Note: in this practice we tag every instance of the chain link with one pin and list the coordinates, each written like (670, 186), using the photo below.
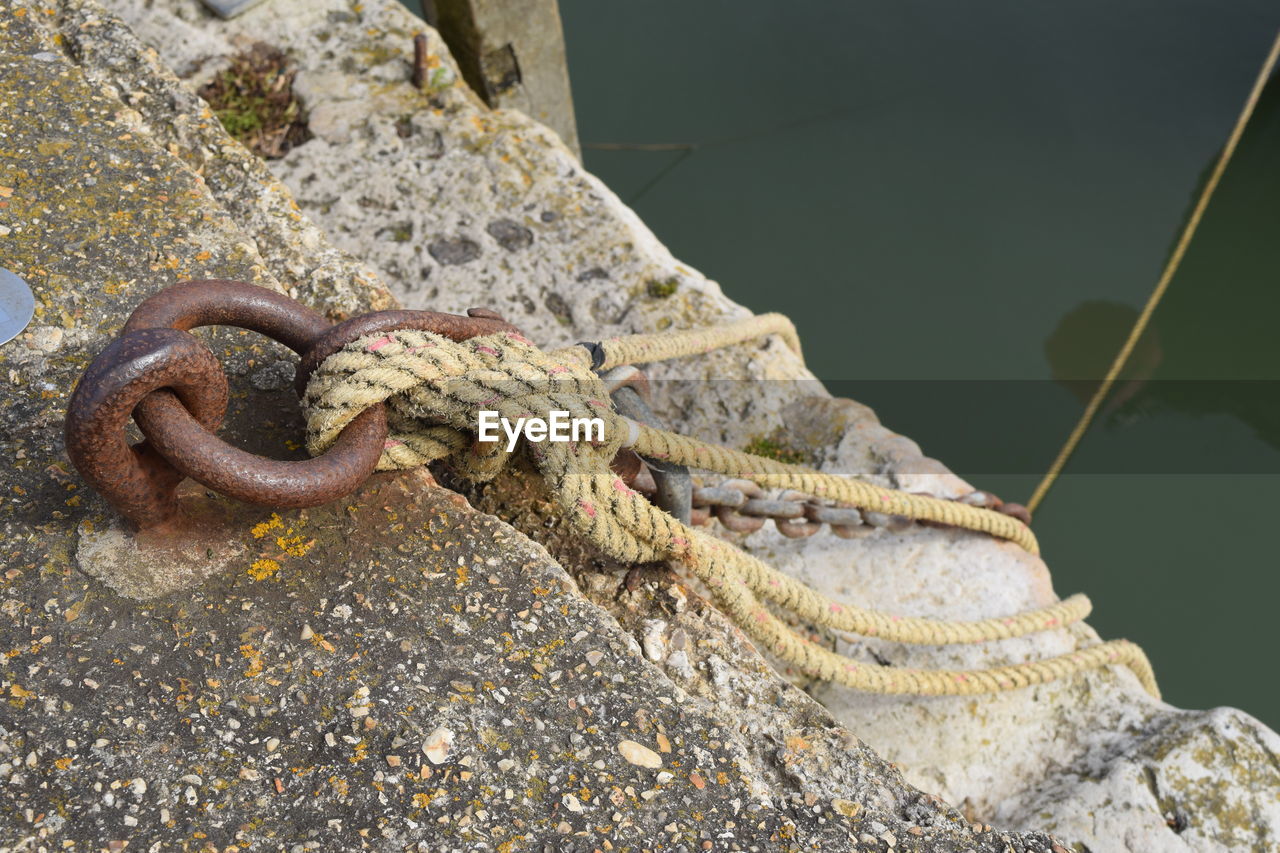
(744, 507)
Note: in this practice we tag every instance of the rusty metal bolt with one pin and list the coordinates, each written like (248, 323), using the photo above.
(419, 74)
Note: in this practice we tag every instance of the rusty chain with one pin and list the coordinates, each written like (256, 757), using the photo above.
(741, 505)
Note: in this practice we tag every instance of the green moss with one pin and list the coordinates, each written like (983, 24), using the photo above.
(663, 289)
(441, 77)
(771, 449)
(254, 101)
(243, 114)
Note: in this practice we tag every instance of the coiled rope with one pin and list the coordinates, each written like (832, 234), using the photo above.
(435, 388)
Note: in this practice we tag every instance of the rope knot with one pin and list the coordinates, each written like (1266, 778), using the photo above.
(436, 388)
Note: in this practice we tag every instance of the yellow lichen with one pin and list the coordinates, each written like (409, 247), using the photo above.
(254, 657)
(294, 546)
(262, 569)
(263, 528)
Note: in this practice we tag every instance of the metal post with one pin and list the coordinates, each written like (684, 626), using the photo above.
(512, 54)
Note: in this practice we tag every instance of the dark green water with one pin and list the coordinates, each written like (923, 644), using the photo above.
(964, 205)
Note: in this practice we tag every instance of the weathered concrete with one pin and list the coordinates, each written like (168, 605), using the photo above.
(512, 53)
(455, 205)
(392, 671)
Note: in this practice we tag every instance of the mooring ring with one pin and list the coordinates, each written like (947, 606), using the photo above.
(137, 480)
(155, 358)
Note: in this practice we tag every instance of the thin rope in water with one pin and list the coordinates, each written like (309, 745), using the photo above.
(1170, 269)
(434, 389)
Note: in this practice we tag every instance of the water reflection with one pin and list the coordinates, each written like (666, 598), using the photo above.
(1212, 347)
(1085, 342)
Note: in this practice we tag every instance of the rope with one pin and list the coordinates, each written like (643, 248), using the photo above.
(434, 389)
(1170, 269)
(637, 349)
(770, 473)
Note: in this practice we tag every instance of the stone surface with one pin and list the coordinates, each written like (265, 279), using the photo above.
(391, 671)
(512, 53)
(1081, 756)
(433, 211)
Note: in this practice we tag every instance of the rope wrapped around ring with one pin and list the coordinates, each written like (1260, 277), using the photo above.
(434, 389)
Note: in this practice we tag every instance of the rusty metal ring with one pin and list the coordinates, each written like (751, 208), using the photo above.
(452, 326)
(155, 352)
(836, 516)
(627, 464)
(137, 480)
(201, 455)
(216, 302)
(198, 453)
